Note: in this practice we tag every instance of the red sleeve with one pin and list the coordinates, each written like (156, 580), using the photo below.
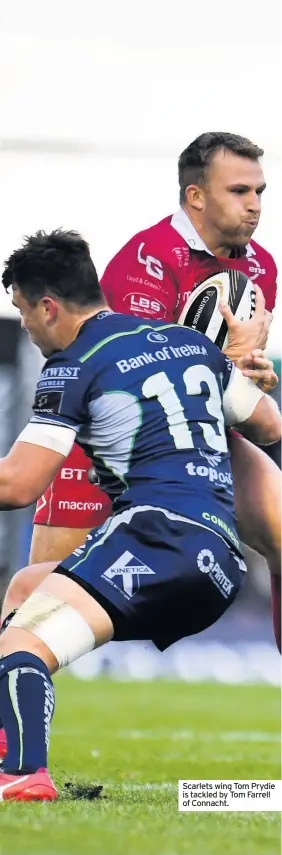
(267, 275)
(271, 291)
(139, 281)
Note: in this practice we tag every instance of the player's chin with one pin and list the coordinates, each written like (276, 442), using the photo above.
(45, 350)
(245, 234)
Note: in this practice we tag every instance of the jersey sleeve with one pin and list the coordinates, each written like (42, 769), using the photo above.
(62, 393)
(140, 281)
(271, 293)
(269, 283)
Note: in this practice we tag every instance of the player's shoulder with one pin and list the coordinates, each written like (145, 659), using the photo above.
(157, 239)
(259, 252)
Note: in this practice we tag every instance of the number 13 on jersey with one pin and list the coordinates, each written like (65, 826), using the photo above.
(159, 386)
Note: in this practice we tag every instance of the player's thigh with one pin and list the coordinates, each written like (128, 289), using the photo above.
(257, 482)
(50, 543)
(147, 570)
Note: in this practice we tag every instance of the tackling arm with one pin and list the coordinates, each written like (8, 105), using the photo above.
(32, 463)
(254, 413)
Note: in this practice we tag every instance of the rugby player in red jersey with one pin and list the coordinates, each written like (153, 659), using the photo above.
(221, 183)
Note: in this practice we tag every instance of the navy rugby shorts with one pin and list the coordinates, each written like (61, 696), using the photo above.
(159, 576)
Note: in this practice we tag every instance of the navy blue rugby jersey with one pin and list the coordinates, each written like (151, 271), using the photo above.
(145, 400)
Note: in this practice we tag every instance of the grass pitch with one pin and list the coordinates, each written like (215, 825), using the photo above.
(136, 740)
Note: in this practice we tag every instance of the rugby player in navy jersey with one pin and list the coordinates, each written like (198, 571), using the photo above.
(149, 401)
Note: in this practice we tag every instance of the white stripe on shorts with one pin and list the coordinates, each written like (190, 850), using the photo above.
(126, 517)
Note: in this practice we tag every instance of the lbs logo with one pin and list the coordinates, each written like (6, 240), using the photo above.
(141, 304)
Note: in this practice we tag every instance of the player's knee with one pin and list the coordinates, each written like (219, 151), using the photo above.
(18, 590)
(23, 583)
(62, 629)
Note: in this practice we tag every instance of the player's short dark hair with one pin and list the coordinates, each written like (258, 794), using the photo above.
(194, 160)
(56, 265)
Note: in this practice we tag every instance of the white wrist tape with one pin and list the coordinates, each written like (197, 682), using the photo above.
(61, 627)
(240, 398)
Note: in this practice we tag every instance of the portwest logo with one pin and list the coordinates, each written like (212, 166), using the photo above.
(62, 372)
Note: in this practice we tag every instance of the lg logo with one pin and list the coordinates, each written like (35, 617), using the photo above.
(153, 265)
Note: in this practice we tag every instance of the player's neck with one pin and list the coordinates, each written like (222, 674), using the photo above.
(210, 236)
(73, 323)
(80, 319)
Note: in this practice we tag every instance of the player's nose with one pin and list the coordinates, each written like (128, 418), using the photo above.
(254, 203)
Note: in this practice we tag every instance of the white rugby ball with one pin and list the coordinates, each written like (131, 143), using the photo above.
(201, 310)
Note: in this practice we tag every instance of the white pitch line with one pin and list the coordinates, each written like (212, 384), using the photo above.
(204, 736)
(144, 787)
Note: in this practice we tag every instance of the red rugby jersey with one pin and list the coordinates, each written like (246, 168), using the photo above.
(154, 273)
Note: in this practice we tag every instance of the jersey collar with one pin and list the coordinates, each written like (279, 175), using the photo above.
(183, 225)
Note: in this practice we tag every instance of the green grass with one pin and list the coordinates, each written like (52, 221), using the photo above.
(151, 733)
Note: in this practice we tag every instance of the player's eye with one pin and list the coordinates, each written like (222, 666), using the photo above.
(239, 190)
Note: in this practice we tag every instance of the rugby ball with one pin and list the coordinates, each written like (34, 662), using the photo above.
(201, 310)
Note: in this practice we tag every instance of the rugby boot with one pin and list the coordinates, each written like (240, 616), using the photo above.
(33, 787)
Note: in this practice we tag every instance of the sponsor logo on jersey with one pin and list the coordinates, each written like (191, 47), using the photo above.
(139, 280)
(209, 472)
(153, 265)
(54, 378)
(142, 304)
(102, 315)
(124, 574)
(207, 564)
(183, 297)
(160, 356)
(182, 254)
(66, 473)
(213, 459)
(48, 402)
(222, 525)
(255, 269)
(64, 372)
(80, 506)
(157, 337)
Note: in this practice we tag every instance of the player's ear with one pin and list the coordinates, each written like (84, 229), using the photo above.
(195, 196)
(50, 309)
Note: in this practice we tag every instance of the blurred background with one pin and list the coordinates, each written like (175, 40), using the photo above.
(97, 102)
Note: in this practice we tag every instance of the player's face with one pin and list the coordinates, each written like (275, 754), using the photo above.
(232, 197)
(36, 320)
